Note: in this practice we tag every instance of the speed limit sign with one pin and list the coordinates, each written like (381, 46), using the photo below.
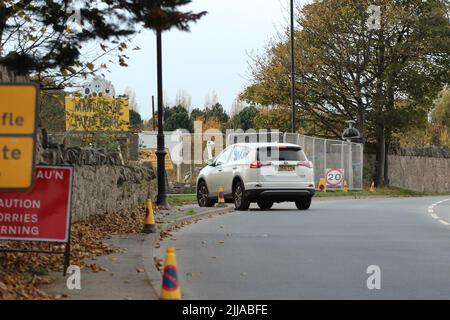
(334, 177)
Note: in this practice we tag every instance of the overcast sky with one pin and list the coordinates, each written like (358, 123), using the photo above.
(213, 56)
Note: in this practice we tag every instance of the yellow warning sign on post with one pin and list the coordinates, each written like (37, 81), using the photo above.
(18, 106)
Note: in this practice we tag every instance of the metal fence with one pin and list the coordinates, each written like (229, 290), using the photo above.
(188, 158)
(328, 153)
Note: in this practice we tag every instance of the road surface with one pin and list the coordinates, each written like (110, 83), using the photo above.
(322, 253)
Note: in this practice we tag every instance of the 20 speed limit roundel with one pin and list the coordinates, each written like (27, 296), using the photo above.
(334, 177)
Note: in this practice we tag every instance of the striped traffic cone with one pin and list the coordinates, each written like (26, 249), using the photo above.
(149, 218)
(220, 197)
(170, 289)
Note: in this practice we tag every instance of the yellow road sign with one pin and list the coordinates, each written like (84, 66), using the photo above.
(16, 165)
(18, 109)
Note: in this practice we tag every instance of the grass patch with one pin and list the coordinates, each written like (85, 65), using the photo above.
(38, 271)
(191, 212)
(181, 200)
(389, 192)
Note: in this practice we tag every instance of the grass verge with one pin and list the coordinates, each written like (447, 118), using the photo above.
(387, 192)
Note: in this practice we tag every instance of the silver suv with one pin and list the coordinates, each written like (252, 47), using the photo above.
(258, 172)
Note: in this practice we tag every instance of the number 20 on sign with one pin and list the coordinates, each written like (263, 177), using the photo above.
(18, 106)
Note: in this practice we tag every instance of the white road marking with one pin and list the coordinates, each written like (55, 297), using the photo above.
(434, 215)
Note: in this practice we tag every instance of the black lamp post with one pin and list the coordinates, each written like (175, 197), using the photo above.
(161, 199)
(292, 69)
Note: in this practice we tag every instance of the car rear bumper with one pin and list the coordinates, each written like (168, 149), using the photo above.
(278, 195)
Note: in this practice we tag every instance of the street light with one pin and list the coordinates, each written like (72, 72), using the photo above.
(351, 134)
(161, 199)
(292, 69)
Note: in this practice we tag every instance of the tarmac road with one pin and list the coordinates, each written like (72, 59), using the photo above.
(322, 253)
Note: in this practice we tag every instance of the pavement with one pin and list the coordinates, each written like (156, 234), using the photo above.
(322, 253)
(131, 273)
(123, 277)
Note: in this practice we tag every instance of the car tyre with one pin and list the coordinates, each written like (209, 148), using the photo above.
(303, 203)
(203, 195)
(240, 201)
(265, 204)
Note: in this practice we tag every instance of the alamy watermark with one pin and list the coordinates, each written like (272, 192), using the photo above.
(374, 280)
(73, 282)
(374, 20)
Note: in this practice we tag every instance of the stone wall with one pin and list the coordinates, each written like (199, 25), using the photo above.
(107, 189)
(419, 173)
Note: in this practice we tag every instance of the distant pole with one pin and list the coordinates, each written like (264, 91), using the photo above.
(153, 113)
(161, 199)
(292, 69)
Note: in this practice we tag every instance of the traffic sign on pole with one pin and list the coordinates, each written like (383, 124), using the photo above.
(18, 123)
(334, 177)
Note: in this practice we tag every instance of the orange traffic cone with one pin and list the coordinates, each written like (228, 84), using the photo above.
(322, 185)
(220, 197)
(149, 218)
(170, 289)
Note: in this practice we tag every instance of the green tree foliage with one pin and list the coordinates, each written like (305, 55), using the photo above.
(52, 114)
(44, 38)
(384, 79)
(40, 36)
(245, 119)
(177, 118)
(440, 120)
(135, 120)
(216, 111)
(433, 131)
(196, 113)
(441, 113)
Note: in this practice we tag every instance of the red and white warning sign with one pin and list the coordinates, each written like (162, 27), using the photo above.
(334, 177)
(41, 213)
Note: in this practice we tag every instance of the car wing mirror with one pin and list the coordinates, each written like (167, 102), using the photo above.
(210, 162)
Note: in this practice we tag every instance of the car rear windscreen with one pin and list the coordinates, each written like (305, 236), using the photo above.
(281, 154)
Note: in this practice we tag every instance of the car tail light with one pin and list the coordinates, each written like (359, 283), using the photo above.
(259, 164)
(307, 164)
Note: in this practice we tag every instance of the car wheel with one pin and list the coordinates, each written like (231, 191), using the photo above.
(303, 203)
(265, 204)
(203, 195)
(240, 201)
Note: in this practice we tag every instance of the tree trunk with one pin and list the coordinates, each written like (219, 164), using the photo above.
(360, 123)
(381, 159)
(386, 167)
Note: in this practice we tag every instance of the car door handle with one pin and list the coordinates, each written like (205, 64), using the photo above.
(220, 169)
(234, 168)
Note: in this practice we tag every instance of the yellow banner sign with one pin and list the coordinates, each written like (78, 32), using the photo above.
(18, 105)
(97, 114)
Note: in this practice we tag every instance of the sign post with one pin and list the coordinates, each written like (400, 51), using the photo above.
(18, 122)
(41, 213)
